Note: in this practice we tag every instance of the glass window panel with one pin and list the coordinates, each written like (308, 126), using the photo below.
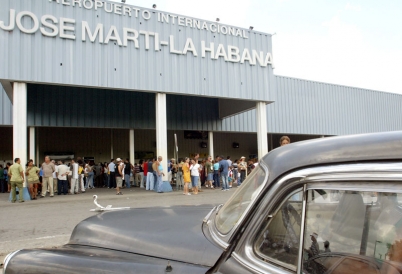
(352, 232)
(241, 200)
(279, 241)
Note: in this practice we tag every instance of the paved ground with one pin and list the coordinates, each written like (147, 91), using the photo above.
(48, 222)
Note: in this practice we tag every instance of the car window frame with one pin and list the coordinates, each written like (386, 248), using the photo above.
(310, 178)
(223, 240)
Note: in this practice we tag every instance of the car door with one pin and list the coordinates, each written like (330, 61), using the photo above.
(353, 212)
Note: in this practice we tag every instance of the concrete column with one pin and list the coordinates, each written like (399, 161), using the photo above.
(161, 131)
(131, 138)
(20, 131)
(111, 144)
(211, 144)
(32, 147)
(262, 137)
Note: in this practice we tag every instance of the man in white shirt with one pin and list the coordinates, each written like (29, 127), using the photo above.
(112, 176)
(62, 172)
(74, 178)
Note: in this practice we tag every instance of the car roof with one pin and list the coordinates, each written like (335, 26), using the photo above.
(341, 149)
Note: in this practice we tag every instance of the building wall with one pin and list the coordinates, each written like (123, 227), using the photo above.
(36, 58)
(6, 109)
(308, 107)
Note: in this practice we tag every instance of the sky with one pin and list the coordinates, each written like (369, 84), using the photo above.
(352, 43)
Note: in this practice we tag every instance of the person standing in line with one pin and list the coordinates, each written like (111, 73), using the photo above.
(112, 175)
(33, 179)
(216, 172)
(141, 174)
(195, 176)
(2, 180)
(81, 176)
(105, 175)
(74, 187)
(209, 171)
(242, 167)
(150, 175)
(127, 172)
(6, 177)
(224, 171)
(138, 174)
(285, 140)
(158, 174)
(155, 166)
(186, 175)
(16, 174)
(55, 181)
(235, 171)
(229, 161)
(179, 175)
(48, 168)
(145, 171)
(90, 176)
(62, 172)
(173, 171)
(119, 175)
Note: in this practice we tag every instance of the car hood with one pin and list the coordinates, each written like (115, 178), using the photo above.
(172, 233)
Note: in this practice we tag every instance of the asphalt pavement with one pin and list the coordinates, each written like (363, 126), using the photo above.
(49, 222)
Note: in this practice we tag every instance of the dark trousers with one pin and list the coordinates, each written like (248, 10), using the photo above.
(242, 176)
(62, 187)
(3, 186)
(216, 178)
(112, 180)
(105, 180)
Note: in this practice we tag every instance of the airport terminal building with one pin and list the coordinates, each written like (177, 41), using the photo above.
(103, 79)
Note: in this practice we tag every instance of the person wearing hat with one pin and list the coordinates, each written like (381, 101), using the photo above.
(242, 168)
(119, 175)
(314, 248)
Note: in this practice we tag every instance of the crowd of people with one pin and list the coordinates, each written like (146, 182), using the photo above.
(59, 178)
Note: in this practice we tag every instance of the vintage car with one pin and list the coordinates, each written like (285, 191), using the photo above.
(330, 205)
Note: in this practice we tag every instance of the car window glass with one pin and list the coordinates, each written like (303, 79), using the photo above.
(280, 237)
(352, 231)
(235, 207)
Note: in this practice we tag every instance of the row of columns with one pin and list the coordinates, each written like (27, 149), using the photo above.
(20, 129)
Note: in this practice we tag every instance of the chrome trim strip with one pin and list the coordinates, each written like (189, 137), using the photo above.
(206, 218)
(8, 258)
(218, 240)
(302, 227)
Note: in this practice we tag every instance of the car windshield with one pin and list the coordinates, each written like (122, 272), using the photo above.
(242, 199)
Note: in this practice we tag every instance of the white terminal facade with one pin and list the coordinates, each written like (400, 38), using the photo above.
(106, 80)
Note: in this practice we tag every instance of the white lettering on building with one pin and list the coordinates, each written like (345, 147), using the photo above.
(66, 28)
